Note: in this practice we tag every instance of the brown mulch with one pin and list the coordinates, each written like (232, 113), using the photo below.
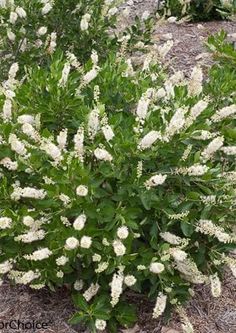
(208, 315)
(42, 306)
(189, 41)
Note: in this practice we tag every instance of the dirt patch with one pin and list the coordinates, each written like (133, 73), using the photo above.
(189, 41)
(207, 314)
(42, 306)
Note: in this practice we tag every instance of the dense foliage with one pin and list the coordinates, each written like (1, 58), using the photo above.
(30, 31)
(116, 176)
(199, 10)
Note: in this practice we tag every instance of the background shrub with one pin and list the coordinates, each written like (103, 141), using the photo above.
(200, 10)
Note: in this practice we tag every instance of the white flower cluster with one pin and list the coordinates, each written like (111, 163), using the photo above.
(91, 291)
(207, 227)
(178, 254)
(203, 135)
(149, 139)
(5, 222)
(157, 267)
(71, 243)
(164, 49)
(102, 266)
(65, 199)
(30, 236)
(116, 287)
(197, 170)
(195, 83)
(215, 285)
(78, 285)
(155, 181)
(195, 112)
(79, 143)
(176, 124)
(208, 199)
(100, 324)
(79, 222)
(24, 277)
(212, 148)
(93, 123)
(27, 192)
(73, 61)
(30, 131)
(189, 270)
(52, 43)
(102, 155)
(171, 238)
(48, 5)
(39, 255)
(91, 75)
(130, 280)
(231, 263)
(86, 242)
(84, 24)
(226, 112)
(143, 105)
(5, 266)
(107, 130)
(139, 169)
(82, 190)
(52, 150)
(159, 306)
(61, 261)
(17, 145)
(123, 232)
(187, 327)
(179, 216)
(64, 76)
(119, 248)
(229, 150)
(186, 153)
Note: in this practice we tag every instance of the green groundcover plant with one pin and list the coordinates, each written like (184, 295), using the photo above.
(199, 9)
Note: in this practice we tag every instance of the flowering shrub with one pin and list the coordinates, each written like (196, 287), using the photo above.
(30, 31)
(115, 178)
(199, 9)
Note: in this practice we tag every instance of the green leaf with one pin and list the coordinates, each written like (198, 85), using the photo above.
(77, 318)
(186, 228)
(126, 314)
(145, 199)
(80, 302)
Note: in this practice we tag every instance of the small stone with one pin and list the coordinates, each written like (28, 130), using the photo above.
(200, 27)
(202, 56)
(134, 329)
(166, 37)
